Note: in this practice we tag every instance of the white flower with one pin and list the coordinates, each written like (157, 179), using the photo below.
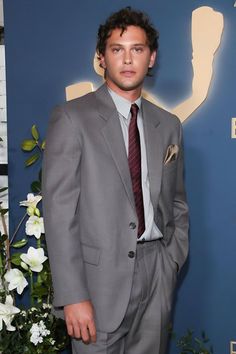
(43, 329)
(35, 334)
(38, 331)
(16, 280)
(34, 226)
(34, 258)
(7, 312)
(46, 306)
(31, 203)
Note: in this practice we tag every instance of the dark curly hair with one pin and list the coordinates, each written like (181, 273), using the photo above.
(122, 19)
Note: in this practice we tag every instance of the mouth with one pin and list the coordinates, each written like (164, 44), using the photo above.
(127, 73)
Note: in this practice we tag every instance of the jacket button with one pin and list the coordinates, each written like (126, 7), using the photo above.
(131, 254)
(132, 225)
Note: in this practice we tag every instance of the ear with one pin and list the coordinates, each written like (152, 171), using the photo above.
(102, 62)
(97, 65)
(152, 59)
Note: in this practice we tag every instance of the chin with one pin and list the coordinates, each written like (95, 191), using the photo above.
(130, 87)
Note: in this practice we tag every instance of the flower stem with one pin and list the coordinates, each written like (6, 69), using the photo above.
(17, 229)
(31, 288)
(38, 243)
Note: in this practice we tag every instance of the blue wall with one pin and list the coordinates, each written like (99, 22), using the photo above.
(50, 44)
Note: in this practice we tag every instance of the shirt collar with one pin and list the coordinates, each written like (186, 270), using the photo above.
(123, 105)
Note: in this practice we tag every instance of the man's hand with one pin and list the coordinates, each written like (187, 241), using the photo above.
(80, 321)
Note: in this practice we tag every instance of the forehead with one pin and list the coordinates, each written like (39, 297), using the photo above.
(132, 34)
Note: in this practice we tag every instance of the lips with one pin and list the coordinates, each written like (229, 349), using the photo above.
(127, 73)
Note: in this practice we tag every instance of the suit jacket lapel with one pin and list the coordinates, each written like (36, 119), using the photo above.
(154, 148)
(113, 136)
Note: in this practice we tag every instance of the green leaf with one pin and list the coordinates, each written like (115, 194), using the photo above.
(3, 189)
(34, 132)
(45, 277)
(20, 243)
(198, 341)
(43, 145)
(28, 145)
(3, 211)
(36, 187)
(39, 291)
(31, 160)
(15, 258)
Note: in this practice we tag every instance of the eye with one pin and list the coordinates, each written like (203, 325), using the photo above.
(138, 49)
(116, 50)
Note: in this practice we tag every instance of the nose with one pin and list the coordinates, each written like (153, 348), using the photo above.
(127, 57)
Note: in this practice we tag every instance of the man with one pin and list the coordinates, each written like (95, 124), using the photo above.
(114, 203)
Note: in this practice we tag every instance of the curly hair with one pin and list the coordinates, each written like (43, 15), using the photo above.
(122, 19)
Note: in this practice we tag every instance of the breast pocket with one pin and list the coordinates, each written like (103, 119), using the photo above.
(170, 167)
(168, 186)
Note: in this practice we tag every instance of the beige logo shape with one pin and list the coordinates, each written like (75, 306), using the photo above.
(206, 34)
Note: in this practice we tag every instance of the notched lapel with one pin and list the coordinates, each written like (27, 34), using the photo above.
(113, 136)
(154, 148)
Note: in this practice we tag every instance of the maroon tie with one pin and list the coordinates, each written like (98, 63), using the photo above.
(134, 159)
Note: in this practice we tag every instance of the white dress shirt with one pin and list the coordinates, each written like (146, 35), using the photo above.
(123, 107)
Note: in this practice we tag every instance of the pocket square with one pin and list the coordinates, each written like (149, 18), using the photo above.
(171, 153)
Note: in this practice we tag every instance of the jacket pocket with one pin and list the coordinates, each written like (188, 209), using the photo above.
(170, 166)
(91, 254)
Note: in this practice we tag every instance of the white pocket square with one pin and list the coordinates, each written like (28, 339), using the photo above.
(171, 153)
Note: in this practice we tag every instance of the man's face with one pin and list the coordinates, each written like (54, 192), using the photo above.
(127, 59)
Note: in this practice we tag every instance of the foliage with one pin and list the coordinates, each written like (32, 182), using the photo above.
(191, 344)
(35, 144)
(25, 271)
(20, 341)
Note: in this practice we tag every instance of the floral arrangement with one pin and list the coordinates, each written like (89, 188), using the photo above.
(25, 277)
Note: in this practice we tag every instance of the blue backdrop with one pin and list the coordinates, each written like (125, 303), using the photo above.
(50, 45)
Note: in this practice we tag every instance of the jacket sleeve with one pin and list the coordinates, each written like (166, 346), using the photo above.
(61, 192)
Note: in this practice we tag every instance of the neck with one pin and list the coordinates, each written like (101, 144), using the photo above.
(131, 95)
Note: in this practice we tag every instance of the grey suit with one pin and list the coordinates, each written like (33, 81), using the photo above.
(89, 209)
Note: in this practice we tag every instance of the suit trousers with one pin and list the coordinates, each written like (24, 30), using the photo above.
(144, 329)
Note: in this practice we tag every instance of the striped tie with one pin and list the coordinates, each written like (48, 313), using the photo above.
(134, 159)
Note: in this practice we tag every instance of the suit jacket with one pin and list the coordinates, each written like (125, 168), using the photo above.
(89, 209)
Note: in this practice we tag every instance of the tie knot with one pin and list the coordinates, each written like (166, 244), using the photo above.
(134, 109)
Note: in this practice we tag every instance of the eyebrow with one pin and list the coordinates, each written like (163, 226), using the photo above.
(121, 45)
